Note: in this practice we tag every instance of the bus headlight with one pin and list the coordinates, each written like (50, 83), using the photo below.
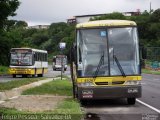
(29, 71)
(12, 69)
(133, 82)
(86, 84)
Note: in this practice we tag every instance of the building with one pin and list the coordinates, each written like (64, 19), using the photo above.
(86, 18)
(82, 18)
(38, 27)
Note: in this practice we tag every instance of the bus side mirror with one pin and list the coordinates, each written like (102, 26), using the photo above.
(144, 53)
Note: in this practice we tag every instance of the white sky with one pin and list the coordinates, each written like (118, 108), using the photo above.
(36, 12)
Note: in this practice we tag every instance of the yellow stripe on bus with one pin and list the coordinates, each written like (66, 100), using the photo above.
(109, 79)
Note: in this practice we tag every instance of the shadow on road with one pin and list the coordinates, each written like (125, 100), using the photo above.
(104, 103)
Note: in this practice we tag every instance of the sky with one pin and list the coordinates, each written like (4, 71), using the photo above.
(45, 12)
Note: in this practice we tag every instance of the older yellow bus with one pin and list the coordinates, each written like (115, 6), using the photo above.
(28, 61)
(105, 61)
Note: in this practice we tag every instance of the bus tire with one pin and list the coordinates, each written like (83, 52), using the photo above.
(24, 76)
(40, 75)
(14, 75)
(83, 102)
(131, 101)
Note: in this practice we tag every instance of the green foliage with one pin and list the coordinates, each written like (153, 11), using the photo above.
(3, 70)
(150, 72)
(8, 8)
(17, 83)
(114, 15)
(155, 17)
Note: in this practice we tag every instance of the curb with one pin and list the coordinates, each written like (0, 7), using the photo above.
(5, 75)
(17, 91)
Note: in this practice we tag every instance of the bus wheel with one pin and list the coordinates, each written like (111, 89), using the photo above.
(83, 102)
(14, 75)
(33, 75)
(24, 76)
(131, 101)
(40, 75)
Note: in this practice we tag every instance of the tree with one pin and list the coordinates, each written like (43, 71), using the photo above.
(7, 8)
(155, 16)
(114, 15)
(21, 24)
(7, 39)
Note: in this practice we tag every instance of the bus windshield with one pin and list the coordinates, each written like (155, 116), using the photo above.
(120, 43)
(21, 58)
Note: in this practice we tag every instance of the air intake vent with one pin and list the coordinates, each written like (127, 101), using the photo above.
(101, 83)
(117, 82)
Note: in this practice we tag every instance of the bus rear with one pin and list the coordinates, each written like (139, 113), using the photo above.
(105, 61)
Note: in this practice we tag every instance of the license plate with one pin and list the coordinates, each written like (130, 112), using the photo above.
(87, 94)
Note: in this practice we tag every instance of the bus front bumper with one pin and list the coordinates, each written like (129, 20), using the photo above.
(109, 92)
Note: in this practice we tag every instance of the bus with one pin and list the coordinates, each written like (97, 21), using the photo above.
(105, 61)
(28, 61)
(58, 60)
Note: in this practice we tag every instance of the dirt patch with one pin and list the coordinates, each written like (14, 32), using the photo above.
(34, 103)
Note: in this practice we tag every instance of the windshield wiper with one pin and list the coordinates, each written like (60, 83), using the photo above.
(119, 66)
(101, 61)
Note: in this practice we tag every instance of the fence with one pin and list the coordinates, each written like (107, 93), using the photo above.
(153, 58)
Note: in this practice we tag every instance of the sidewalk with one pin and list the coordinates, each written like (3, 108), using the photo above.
(15, 92)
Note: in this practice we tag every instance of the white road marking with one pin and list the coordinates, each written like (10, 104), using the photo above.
(153, 108)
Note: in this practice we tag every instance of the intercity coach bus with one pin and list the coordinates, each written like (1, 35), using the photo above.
(28, 61)
(105, 61)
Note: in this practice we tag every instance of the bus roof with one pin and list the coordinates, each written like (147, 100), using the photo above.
(35, 50)
(102, 23)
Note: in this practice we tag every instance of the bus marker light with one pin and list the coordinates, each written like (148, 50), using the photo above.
(132, 90)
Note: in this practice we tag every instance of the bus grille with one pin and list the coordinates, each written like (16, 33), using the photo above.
(112, 83)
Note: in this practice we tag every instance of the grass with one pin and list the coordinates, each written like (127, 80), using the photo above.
(3, 70)
(150, 72)
(17, 83)
(64, 76)
(68, 109)
(57, 87)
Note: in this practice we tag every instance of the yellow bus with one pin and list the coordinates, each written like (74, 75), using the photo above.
(28, 61)
(105, 61)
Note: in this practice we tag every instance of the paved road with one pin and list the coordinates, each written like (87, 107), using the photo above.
(52, 73)
(151, 90)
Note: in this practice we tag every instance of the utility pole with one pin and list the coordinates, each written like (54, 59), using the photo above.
(62, 46)
(150, 7)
